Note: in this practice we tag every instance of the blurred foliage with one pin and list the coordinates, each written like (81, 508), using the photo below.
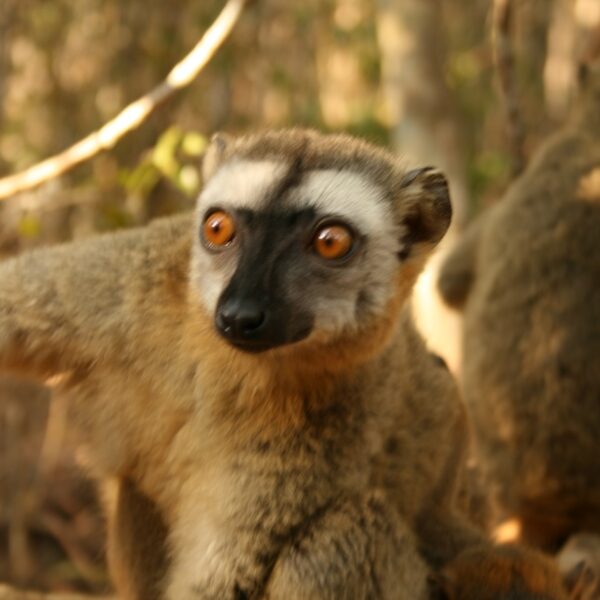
(67, 67)
(171, 159)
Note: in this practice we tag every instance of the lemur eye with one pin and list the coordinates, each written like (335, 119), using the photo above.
(333, 241)
(218, 228)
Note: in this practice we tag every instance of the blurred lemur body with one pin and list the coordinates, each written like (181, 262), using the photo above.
(527, 276)
(251, 378)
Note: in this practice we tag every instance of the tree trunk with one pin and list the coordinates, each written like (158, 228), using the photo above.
(425, 130)
(418, 102)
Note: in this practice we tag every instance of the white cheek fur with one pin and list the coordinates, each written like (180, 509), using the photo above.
(356, 199)
(208, 280)
(337, 311)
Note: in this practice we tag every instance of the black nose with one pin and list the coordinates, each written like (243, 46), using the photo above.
(240, 319)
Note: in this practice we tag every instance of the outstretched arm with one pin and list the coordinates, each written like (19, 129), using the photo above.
(458, 269)
(81, 303)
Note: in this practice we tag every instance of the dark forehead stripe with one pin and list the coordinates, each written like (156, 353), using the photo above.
(292, 179)
(276, 220)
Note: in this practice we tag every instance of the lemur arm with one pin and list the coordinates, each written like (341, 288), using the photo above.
(459, 268)
(74, 305)
(465, 562)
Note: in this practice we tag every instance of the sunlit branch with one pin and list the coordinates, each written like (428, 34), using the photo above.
(133, 115)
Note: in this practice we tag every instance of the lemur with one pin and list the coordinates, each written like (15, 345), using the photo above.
(250, 378)
(527, 277)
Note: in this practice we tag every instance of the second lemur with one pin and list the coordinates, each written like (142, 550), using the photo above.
(527, 277)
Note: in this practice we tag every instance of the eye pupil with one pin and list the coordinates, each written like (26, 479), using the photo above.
(218, 229)
(333, 241)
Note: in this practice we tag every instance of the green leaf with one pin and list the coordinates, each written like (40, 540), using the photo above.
(193, 144)
(30, 226)
(164, 153)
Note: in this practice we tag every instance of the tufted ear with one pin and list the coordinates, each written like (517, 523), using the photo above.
(213, 157)
(425, 210)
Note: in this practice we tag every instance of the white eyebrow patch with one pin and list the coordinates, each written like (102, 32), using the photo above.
(347, 194)
(242, 183)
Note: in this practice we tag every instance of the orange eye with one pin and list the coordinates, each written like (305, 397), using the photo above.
(218, 228)
(333, 241)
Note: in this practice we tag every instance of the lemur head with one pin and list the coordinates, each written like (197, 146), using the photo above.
(303, 236)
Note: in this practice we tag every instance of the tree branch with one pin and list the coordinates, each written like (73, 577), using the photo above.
(133, 115)
(504, 60)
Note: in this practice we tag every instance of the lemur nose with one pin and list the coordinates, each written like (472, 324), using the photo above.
(240, 317)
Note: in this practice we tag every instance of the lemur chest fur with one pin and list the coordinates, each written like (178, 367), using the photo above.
(251, 495)
(255, 450)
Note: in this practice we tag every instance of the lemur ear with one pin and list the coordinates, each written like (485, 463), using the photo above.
(213, 157)
(425, 210)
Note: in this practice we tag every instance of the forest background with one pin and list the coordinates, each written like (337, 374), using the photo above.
(471, 86)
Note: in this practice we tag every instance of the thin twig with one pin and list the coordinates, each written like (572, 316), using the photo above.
(134, 114)
(62, 531)
(504, 60)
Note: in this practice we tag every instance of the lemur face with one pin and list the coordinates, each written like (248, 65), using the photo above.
(287, 249)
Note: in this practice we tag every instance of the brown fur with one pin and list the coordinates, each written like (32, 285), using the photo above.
(325, 469)
(527, 275)
(138, 564)
(510, 573)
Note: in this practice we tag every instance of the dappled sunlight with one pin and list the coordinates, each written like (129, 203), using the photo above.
(507, 531)
(440, 325)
